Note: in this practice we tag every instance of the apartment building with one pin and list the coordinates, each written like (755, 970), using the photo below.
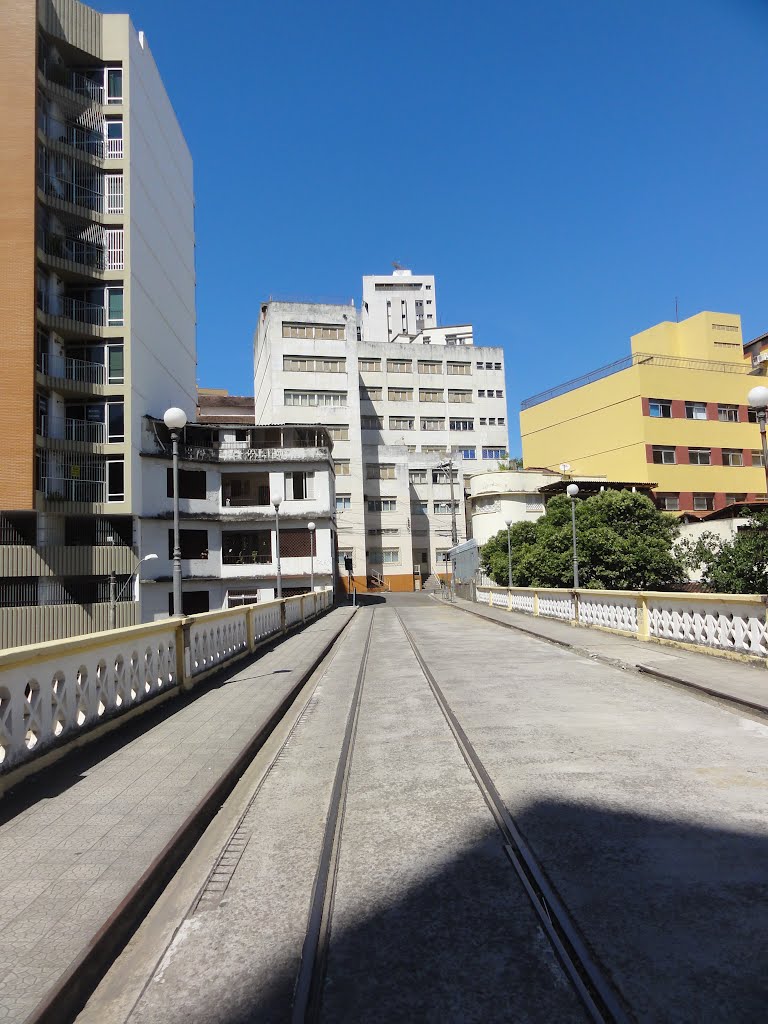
(229, 477)
(673, 413)
(398, 408)
(97, 305)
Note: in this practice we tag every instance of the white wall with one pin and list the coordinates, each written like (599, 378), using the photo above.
(498, 496)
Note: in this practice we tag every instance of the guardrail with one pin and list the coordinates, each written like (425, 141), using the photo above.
(52, 694)
(731, 624)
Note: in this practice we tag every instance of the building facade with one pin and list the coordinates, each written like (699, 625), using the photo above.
(398, 408)
(496, 498)
(674, 413)
(97, 304)
(229, 476)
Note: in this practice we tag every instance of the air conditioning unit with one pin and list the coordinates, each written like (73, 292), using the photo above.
(759, 357)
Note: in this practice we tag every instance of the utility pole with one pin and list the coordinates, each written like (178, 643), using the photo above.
(454, 528)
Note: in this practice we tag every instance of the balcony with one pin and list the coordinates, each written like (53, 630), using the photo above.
(74, 371)
(76, 136)
(62, 428)
(238, 453)
(80, 86)
(81, 194)
(74, 250)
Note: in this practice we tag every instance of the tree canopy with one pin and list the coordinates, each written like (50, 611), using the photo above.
(735, 566)
(623, 541)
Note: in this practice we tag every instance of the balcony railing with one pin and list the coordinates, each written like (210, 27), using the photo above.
(77, 370)
(65, 429)
(81, 311)
(57, 488)
(237, 453)
(87, 140)
(88, 254)
(114, 149)
(74, 81)
(245, 558)
(77, 193)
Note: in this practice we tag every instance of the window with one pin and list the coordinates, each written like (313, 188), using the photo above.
(417, 476)
(481, 393)
(695, 410)
(728, 413)
(703, 502)
(400, 394)
(499, 394)
(327, 332)
(341, 467)
(115, 480)
(342, 554)
(469, 454)
(432, 449)
(238, 598)
(343, 502)
(333, 399)
(455, 424)
(757, 458)
(114, 78)
(440, 476)
(442, 508)
(371, 423)
(252, 547)
(491, 421)
(382, 504)
(243, 489)
(295, 543)
(314, 363)
(732, 499)
(379, 471)
(339, 433)
(383, 531)
(299, 485)
(114, 307)
(114, 137)
(534, 503)
(733, 457)
(369, 365)
(480, 365)
(660, 408)
(700, 456)
(459, 396)
(401, 422)
(669, 502)
(432, 423)
(483, 421)
(494, 453)
(497, 366)
(193, 602)
(115, 421)
(191, 483)
(459, 369)
(113, 184)
(431, 395)
(370, 394)
(752, 415)
(385, 556)
(429, 366)
(500, 421)
(194, 543)
(399, 366)
(663, 456)
(419, 508)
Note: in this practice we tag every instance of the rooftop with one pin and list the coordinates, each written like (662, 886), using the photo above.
(635, 359)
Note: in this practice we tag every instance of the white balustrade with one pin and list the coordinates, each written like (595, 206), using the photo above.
(555, 604)
(216, 637)
(722, 622)
(609, 612)
(734, 625)
(53, 693)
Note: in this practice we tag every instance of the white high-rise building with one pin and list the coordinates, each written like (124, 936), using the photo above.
(398, 407)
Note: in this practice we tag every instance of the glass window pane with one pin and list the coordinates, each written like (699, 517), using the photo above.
(115, 364)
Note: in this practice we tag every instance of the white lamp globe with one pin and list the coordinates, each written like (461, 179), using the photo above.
(758, 397)
(572, 490)
(175, 418)
(311, 527)
(276, 502)
(509, 522)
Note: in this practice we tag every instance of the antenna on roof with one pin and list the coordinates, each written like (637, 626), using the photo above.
(677, 311)
(396, 265)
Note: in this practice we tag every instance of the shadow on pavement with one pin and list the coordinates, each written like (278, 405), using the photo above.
(676, 914)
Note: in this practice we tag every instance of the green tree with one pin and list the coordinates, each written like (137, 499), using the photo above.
(737, 566)
(624, 543)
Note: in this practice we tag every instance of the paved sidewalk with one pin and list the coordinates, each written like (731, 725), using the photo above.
(719, 677)
(76, 839)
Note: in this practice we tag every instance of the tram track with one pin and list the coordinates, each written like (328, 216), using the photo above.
(594, 990)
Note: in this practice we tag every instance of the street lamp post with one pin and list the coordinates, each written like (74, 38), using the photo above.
(758, 399)
(509, 552)
(448, 464)
(114, 597)
(276, 503)
(572, 490)
(311, 528)
(176, 419)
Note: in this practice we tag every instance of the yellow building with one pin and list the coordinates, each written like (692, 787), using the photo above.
(674, 413)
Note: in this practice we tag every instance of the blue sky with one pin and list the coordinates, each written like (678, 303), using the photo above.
(564, 169)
